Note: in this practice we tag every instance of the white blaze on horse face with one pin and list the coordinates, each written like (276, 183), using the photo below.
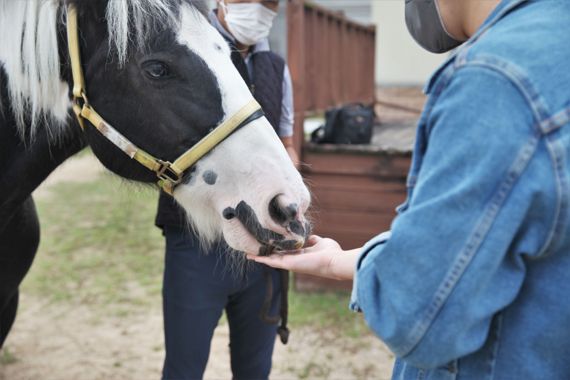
(252, 166)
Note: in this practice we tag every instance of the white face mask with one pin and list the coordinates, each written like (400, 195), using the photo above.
(249, 23)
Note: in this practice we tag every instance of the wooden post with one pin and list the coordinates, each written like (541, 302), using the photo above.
(296, 61)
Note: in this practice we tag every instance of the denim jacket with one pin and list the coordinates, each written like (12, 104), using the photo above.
(473, 282)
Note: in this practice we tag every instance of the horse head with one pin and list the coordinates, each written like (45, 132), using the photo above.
(162, 76)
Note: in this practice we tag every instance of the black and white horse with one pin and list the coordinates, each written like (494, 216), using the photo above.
(162, 76)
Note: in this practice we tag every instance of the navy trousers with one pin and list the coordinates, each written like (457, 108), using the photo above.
(197, 288)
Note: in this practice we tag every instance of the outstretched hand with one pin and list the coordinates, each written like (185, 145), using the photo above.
(321, 257)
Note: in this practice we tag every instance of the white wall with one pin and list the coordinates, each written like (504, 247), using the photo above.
(399, 59)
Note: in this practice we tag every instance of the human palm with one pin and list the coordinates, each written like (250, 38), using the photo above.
(321, 257)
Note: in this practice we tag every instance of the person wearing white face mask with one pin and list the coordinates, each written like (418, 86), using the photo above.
(198, 287)
(248, 22)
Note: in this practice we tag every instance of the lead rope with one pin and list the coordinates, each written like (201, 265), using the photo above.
(282, 330)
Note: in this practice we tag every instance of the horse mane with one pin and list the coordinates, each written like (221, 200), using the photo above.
(30, 57)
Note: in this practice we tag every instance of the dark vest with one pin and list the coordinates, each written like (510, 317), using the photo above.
(267, 88)
(267, 82)
(268, 70)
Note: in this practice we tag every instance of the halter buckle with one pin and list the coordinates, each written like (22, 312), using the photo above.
(79, 102)
(166, 173)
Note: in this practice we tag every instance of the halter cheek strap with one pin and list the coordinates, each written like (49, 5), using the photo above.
(169, 174)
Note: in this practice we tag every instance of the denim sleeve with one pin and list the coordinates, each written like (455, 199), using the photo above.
(363, 259)
(431, 290)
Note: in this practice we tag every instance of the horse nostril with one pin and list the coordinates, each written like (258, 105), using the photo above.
(282, 214)
(292, 211)
(276, 212)
(229, 213)
(297, 228)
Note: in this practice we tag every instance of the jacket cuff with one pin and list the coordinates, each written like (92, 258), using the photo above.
(363, 261)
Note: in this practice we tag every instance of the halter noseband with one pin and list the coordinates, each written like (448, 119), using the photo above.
(169, 174)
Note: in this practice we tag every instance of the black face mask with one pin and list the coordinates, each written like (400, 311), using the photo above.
(426, 26)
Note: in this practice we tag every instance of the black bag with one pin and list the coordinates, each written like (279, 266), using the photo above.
(351, 124)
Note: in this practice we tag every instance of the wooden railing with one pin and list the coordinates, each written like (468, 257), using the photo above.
(331, 59)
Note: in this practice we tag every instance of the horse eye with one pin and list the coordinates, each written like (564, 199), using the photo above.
(156, 70)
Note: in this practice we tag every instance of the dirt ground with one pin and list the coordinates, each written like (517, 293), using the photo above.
(77, 342)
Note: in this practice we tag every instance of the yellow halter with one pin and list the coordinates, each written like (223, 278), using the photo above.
(169, 174)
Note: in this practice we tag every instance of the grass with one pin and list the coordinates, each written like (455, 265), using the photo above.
(99, 244)
(100, 247)
(6, 357)
(326, 311)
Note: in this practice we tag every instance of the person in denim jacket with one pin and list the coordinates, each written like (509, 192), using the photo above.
(473, 280)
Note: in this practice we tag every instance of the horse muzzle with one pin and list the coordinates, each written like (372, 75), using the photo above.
(293, 229)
